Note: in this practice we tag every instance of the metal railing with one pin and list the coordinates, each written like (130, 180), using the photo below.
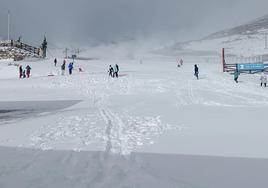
(16, 44)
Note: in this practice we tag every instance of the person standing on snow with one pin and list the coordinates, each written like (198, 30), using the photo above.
(23, 74)
(55, 62)
(181, 62)
(28, 71)
(236, 76)
(263, 79)
(70, 67)
(179, 65)
(63, 66)
(116, 70)
(196, 71)
(111, 71)
(20, 71)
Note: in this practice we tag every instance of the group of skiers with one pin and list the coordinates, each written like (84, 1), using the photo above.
(263, 78)
(196, 69)
(113, 71)
(63, 66)
(23, 73)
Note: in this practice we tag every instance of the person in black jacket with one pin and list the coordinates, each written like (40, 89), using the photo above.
(63, 66)
(20, 71)
(55, 62)
(196, 71)
(111, 71)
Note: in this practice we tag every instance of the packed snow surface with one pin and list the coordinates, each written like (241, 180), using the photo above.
(150, 99)
(153, 107)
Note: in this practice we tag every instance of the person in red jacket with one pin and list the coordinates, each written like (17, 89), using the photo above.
(20, 71)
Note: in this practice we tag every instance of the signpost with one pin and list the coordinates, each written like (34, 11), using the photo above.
(250, 67)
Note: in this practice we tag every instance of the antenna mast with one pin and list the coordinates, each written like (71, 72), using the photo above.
(8, 25)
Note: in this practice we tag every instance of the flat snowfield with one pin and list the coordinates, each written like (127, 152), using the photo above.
(53, 169)
(153, 107)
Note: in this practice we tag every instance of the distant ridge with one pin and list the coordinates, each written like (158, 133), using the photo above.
(254, 27)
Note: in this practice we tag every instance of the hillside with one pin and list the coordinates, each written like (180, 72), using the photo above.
(258, 26)
(246, 40)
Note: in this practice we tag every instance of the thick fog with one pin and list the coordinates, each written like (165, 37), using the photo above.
(104, 21)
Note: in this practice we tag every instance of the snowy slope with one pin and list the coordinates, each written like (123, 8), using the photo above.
(85, 129)
(54, 169)
(246, 40)
(128, 114)
(153, 107)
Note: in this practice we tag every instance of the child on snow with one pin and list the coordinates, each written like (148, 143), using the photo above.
(23, 74)
(263, 79)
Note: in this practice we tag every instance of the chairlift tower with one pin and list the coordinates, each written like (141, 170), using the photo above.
(8, 25)
(66, 52)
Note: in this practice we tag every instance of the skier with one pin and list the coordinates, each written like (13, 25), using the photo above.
(263, 79)
(196, 71)
(70, 66)
(116, 70)
(63, 67)
(55, 62)
(28, 71)
(236, 75)
(179, 65)
(111, 71)
(20, 71)
(181, 62)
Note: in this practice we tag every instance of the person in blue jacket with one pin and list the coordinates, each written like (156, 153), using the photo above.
(71, 66)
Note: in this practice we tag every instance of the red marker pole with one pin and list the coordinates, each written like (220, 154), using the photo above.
(223, 60)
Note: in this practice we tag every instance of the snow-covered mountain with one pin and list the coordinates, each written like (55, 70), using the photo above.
(245, 40)
(258, 26)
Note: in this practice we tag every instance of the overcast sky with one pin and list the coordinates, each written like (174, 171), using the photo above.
(98, 21)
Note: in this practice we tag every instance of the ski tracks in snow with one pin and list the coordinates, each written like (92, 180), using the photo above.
(120, 131)
(219, 90)
(116, 132)
(125, 133)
